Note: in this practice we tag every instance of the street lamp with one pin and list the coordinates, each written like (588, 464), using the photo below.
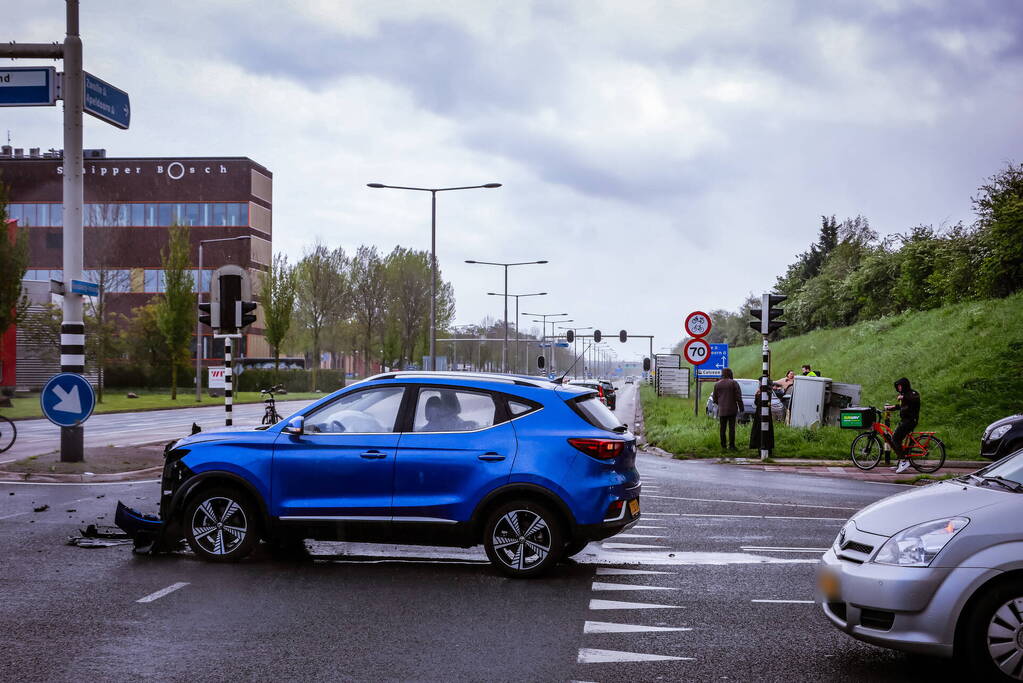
(433, 249)
(504, 349)
(518, 342)
(198, 325)
(544, 322)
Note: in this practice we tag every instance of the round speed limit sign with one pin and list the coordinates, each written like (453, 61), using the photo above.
(696, 351)
(697, 324)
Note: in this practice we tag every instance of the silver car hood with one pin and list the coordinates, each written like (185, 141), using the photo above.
(935, 501)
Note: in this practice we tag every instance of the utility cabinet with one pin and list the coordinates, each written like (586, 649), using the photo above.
(810, 396)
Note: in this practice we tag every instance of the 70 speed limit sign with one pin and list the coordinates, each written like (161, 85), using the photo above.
(696, 351)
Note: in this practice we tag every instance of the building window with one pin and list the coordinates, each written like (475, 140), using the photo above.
(154, 281)
(138, 214)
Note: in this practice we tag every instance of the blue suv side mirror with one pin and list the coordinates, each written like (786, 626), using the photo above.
(295, 426)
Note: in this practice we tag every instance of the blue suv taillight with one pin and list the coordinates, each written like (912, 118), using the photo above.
(601, 449)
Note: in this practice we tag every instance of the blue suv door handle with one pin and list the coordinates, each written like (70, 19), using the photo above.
(373, 455)
(491, 457)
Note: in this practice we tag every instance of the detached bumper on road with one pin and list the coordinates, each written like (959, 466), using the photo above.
(147, 531)
(913, 609)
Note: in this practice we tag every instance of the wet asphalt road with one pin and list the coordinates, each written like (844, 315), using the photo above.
(362, 612)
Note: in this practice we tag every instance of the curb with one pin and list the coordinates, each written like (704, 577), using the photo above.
(53, 478)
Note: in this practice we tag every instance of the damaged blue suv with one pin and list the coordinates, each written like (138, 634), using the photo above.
(533, 470)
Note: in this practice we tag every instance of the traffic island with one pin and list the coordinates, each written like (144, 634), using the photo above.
(101, 464)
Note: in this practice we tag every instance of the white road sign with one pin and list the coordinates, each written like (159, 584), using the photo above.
(673, 382)
(696, 351)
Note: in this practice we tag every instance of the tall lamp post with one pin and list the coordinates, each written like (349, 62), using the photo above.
(433, 250)
(198, 325)
(518, 342)
(504, 349)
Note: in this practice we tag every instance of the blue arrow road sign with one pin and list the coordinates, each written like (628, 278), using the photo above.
(106, 102)
(67, 399)
(28, 86)
(717, 361)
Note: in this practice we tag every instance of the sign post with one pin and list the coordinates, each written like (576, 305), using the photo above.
(111, 105)
(697, 351)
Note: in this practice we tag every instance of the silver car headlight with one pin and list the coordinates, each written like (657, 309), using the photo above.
(999, 432)
(918, 545)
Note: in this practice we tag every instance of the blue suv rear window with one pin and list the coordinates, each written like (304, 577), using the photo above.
(596, 413)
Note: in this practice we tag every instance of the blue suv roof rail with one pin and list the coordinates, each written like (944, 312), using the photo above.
(487, 377)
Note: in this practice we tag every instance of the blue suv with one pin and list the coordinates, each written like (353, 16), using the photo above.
(533, 470)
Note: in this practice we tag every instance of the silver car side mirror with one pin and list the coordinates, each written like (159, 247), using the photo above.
(295, 426)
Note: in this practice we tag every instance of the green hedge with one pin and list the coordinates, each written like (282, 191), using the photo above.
(254, 379)
(125, 376)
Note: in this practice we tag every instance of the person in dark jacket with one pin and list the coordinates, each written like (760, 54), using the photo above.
(728, 398)
(908, 404)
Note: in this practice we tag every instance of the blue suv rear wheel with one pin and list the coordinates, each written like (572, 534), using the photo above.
(523, 538)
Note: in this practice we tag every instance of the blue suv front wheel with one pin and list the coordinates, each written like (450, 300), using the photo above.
(220, 525)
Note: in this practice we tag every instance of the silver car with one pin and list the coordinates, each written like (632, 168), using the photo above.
(937, 570)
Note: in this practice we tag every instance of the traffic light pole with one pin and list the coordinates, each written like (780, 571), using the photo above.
(765, 403)
(228, 383)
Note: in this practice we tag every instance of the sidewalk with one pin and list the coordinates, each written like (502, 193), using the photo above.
(879, 473)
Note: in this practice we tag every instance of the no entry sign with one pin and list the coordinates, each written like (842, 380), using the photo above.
(696, 351)
(697, 324)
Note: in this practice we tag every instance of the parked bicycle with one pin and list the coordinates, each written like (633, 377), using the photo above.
(8, 433)
(924, 451)
(270, 414)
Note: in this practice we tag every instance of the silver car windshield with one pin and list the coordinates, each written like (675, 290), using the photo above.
(1010, 468)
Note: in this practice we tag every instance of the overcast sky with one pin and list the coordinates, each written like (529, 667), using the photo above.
(663, 156)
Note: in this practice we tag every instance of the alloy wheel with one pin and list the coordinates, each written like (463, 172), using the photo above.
(521, 539)
(219, 525)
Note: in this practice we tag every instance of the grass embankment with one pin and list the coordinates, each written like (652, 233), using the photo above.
(965, 360)
(115, 401)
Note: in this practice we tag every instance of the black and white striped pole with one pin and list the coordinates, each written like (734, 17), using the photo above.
(766, 321)
(766, 431)
(228, 383)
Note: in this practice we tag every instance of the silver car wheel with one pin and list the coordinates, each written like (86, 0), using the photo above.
(521, 539)
(1005, 638)
(219, 525)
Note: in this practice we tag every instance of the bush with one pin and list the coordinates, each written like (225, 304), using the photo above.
(118, 376)
(254, 379)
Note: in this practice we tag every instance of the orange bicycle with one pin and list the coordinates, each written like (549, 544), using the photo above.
(925, 452)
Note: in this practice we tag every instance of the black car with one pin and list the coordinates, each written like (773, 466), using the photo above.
(1002, 437)
(609, 393)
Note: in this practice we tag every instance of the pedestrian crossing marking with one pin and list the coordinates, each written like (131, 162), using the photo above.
(614, 604)
(592, 656)
(603, 586)
(609, 627)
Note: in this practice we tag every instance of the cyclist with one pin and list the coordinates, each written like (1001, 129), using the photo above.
(909, 414)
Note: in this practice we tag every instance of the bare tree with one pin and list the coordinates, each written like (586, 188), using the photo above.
(101, 251)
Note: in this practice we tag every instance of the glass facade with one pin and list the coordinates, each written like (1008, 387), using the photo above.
(156, 214)
(119, 280)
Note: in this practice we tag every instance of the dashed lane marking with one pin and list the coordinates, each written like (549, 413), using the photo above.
(592, 656)
(756, 502)
(648, 527)
(637, 535)
(163, 591)
(819, 519)
(604, 586)
(612, 571)
(608, 627)
(770, 549)
(630, 546)
(615, 604)
(785, 602)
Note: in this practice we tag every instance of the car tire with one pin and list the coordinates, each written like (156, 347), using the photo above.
(993, 631)
(515, 552)
(220, 524)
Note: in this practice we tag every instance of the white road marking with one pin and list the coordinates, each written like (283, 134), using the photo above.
(755, 548)
(755, 502)
(614, 604)
(820, 519)
(611, 571)
(647, 527)
(608, 627)
(604, 586)
(80, 483)
(670, 514)
(16, 514)
(786, 602)
(680, 559)
(630, 546)
(637, 536)
(163, 591)
(591, 656)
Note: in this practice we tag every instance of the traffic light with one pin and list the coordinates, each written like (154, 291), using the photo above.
(596, 336)
(540, 362)
(646, 365)
(570, 336)
(243, 313)
(623, 336)
(209, 314)
(767, 316)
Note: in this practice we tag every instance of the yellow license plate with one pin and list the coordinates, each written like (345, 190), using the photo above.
(634, 507)
(828, 584)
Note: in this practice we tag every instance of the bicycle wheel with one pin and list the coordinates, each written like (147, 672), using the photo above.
(866, 450)
(932, 460)
(8, 433)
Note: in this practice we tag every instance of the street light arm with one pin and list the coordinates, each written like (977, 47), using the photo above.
(378, 186)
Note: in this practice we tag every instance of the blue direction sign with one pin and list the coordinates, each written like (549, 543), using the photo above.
(28, 86)
(85, 288)
(106, 102)
(715, 363)
(67, 399)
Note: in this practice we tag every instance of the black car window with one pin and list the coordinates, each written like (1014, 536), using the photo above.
(372, 411)
(443, 409)
(596, 413)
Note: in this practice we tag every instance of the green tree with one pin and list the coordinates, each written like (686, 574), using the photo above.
(999, 208)
(278, 300)
(13, 264)
(369, 299)
(175, 308)
(323, 294)
(408, 281)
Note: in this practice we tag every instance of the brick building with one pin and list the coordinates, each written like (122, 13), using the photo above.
(130, 204)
